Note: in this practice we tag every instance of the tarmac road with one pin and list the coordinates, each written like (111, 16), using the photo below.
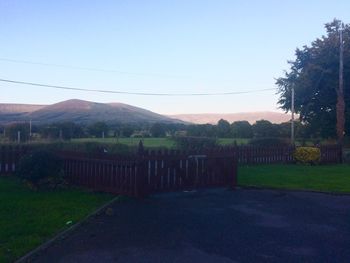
(214, 226)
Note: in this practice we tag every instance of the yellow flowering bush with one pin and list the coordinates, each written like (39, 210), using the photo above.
(307, 155)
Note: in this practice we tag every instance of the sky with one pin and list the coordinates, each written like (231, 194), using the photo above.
(197, 46)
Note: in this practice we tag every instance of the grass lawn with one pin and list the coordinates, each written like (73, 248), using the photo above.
(29, 218)
(330, 178)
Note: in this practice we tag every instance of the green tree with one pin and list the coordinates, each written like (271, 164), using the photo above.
(284, 129)
(98, 129)
(157, 130)
(126, 131)
(314, 75)
(264, 128)
(241, 129)
(11, 131)
(63, 130)
(201, 130)
(223, 129)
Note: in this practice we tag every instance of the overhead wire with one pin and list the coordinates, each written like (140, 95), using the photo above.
(132, 93)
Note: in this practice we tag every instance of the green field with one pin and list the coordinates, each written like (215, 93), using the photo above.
(29, 218)
(329, 178)
(226, 141)
(147, 142)
(152, 142)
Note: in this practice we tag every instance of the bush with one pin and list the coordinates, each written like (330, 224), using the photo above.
(195, 143)
(41, 169)
(307, 155)
(268, 141)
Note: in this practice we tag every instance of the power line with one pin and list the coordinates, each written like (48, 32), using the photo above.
(92, 69)
(132, 93)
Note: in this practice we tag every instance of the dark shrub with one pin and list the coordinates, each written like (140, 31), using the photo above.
(42, 169)
(195, 143)
(269, 141)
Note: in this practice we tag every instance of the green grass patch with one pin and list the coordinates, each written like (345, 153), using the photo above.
(228, 141)
(154, 142)
(29, 218)
(328, 178)
(147, 142)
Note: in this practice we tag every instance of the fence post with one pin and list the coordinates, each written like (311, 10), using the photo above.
(234, 173)
(141, 189)
(340, 154)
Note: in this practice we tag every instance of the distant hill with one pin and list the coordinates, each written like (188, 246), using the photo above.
(213, 118)
(80, 111)
(8, 108)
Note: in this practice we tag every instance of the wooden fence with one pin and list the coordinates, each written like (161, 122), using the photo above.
(162, 171)
(9, 158)
(263, 155)
(331, 154)
(151, 172)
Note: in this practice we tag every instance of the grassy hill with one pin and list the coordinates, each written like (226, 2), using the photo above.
(80, 111)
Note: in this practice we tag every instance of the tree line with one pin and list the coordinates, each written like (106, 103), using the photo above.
(223, 129)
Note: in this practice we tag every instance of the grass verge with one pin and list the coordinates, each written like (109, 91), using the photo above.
(327, 178)
(29, 218)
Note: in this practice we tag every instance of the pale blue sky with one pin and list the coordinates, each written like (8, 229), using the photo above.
(173, 46)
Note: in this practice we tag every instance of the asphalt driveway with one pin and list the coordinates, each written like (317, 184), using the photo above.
(214, 226)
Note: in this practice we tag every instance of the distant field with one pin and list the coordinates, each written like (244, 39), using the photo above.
(239, 141)
(153, 142)
(147, 142)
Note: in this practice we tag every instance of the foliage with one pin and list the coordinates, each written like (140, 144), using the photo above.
(307, 155)
(223, 129)
(314, 76)
(194, 143)
(12, 130)
(329, 178)
(98, 129)
(264, 128)
(157, 130)
(41, 168)
(127, 131)
(63, 130)
(29, 218)
(241, 129)
(269, 141)
(202, 130)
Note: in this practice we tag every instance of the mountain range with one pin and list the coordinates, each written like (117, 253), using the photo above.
(81, 111)
(251, 117)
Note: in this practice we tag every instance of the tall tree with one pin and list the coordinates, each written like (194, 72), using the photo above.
(241, 129)
(264, 128)
(223, 129)
(158, 130)
(97, 129)
(314, 75)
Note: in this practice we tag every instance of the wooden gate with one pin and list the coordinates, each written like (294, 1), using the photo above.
(175, 171)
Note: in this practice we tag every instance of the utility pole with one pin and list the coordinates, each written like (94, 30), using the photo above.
(292, 120)
(30, 129)
(340, 91)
